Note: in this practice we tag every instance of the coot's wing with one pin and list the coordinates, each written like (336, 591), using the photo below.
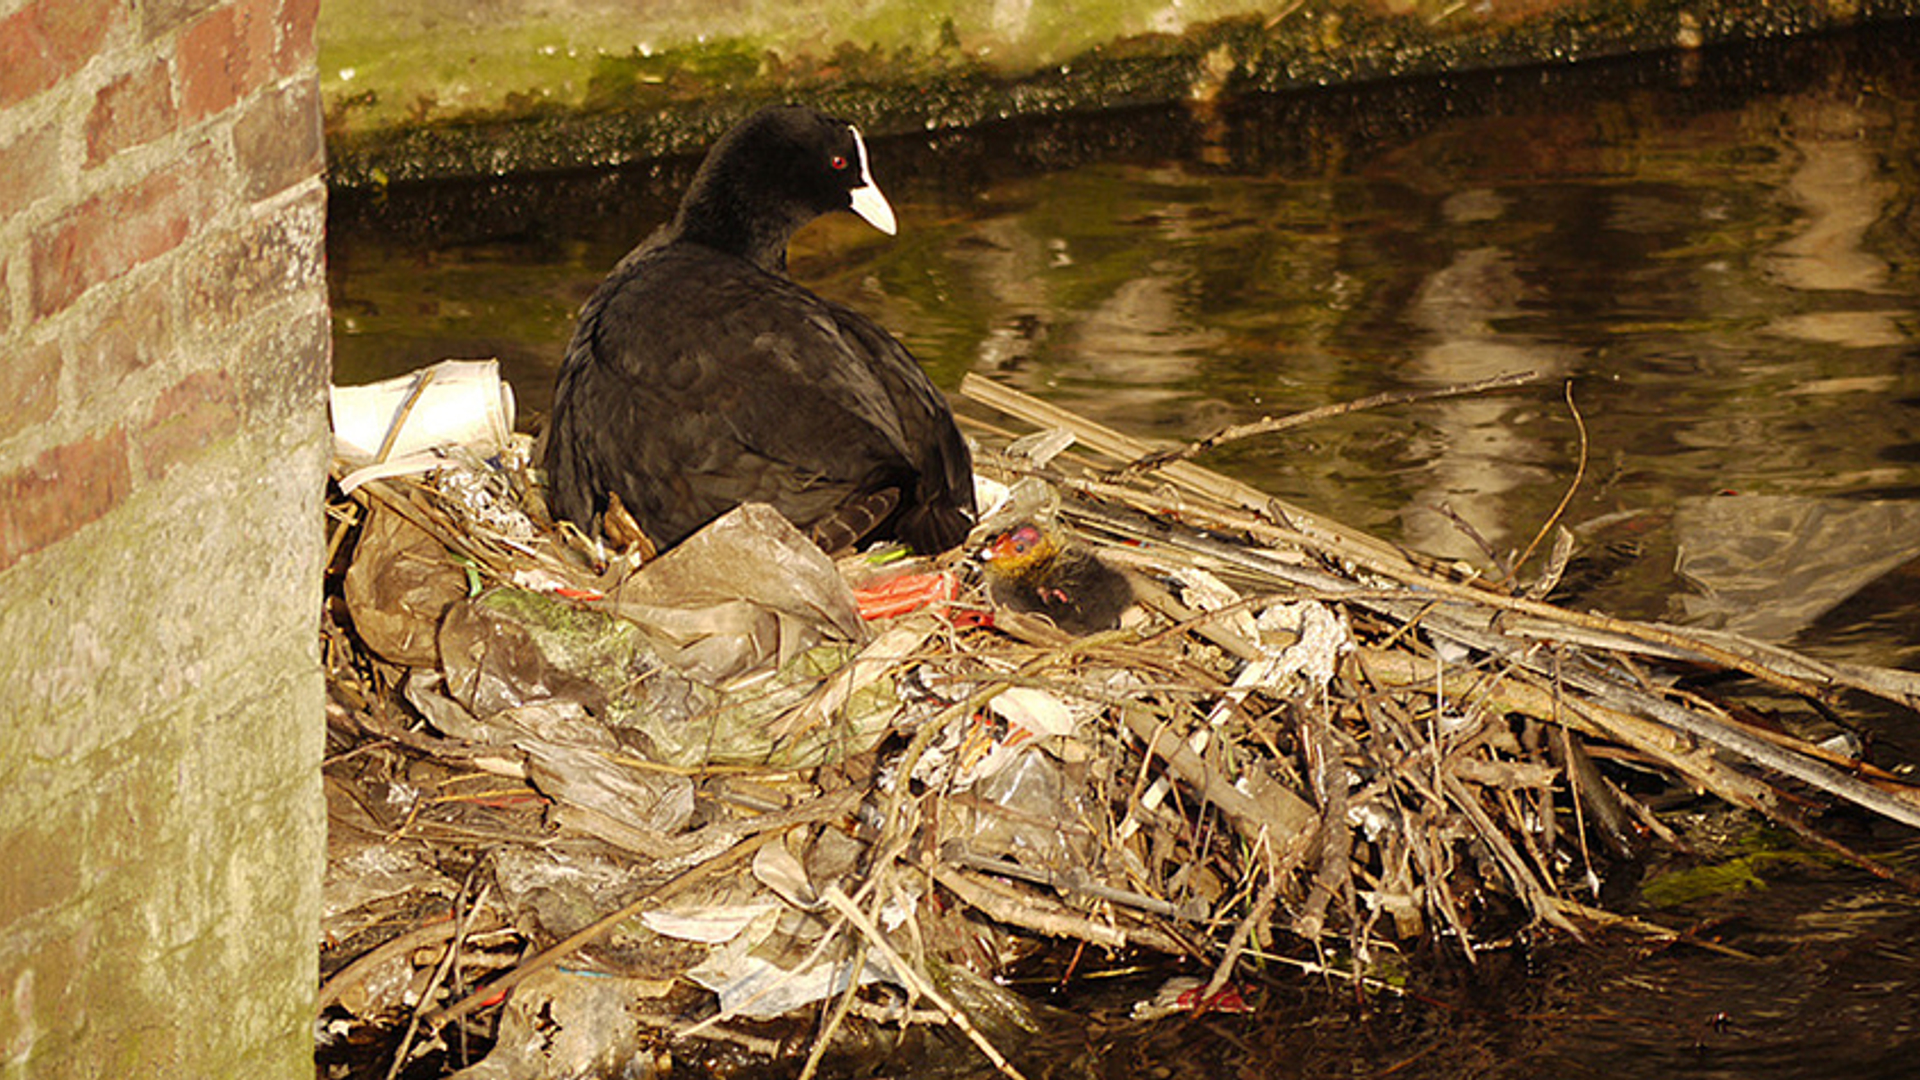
(696, 382)
(940, 509)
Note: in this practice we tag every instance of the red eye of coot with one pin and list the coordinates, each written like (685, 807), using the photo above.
(838, 162)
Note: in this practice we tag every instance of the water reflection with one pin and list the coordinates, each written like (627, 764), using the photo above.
(1717, 253)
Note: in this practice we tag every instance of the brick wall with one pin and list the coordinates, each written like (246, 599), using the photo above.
(163, 356)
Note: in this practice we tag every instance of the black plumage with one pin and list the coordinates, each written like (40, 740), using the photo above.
(701, 376)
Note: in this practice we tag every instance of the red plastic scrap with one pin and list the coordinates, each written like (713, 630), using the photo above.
(906, 593)
(1227, 999)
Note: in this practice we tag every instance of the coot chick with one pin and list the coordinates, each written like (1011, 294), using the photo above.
(1030, 569)
(700, 376)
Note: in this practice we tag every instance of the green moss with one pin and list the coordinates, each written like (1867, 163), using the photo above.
(727, 62)
(1759, 852)
(439, 88)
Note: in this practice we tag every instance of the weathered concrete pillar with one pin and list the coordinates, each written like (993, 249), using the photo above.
(163, 355)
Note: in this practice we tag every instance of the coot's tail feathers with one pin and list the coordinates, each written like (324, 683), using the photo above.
(933, 527)
(843, 528)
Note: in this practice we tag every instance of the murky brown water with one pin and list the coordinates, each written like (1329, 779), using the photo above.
(1717, 256)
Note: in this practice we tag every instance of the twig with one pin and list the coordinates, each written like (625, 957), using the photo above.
(913, 980)
(1267, 425)
(1071, 882)
(447, 960)
(1028, 912)
(414, 392)
(548, 957)
(1256, 916)
(841, 1007)
(1579, 471)
(1291, 829)
(363, 965)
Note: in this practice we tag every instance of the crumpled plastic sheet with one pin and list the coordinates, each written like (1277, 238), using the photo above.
(1031, 811)
(559, 891)
(752, 986)
(509, 647)
(563, 1025)
(741, 595)
(398, 586)
(745, 593)
(365, 870)
(662, 802)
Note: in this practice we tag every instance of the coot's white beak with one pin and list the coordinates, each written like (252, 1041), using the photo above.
(867, 200)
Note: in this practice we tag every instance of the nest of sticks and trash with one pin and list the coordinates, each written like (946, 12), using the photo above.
(594, 813)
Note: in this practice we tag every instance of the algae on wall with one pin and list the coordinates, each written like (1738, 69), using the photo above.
(419, 89)
(385, 62)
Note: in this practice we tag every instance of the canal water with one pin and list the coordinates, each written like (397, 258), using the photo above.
(1709, 262)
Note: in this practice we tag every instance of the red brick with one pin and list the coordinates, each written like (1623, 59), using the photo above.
(110, 234)
(236, 273)
(225, 56)
(276, 139)
(191, 414)
(298, 45)
(47, 40)
(133, 109)
(131, 334)
(27, 169)
(161, 17)
(29, 384)
(63, 490)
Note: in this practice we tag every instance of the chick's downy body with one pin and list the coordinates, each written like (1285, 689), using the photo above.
(1033, 570)
(700, 376)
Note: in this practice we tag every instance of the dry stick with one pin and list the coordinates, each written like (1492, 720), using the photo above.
(1003, 904)
(1649, 736)
(1267, 425)
(440, 972)
(1538, 896)
(419, 387)
(1335, 874)
(1105, 440)
(357, 971)
(1759, 751)
(1579, 471)
(841, 1007)
(1290, 829)
(1341, 542)
(1493, 642)
(1258, 513)
(1395, 670)
(852, 913)
(1256, 916)
(1601, 917)
(1434, 586)
(1301, 528)
(1385, 714)
(1892, 684)
(1072, 881)
(551, 956)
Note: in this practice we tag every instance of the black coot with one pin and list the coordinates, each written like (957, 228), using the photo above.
(700, 376)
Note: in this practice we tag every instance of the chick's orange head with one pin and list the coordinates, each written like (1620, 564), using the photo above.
(1018, 549)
